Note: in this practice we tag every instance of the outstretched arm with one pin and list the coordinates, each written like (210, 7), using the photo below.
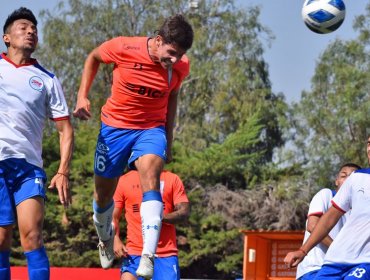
(82, 110)
(61, 179)
(322, 229)
(181, 214)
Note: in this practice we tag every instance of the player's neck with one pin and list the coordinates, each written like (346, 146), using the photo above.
(152, 50)
(19, 57)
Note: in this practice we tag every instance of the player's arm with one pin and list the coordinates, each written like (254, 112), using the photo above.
(311, 224)
(61, 179)
(170, 122)
(322, 229)
(92, 62)
(180, 214)
(118, 246)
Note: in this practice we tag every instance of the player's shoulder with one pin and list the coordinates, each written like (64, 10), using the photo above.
(325, 193)
(43, 70)
(183, 65)
(362, 171)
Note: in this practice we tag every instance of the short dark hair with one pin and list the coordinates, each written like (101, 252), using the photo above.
(176, 30)
(351, 165)
(21, 13)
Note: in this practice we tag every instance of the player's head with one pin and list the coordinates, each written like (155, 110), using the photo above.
(344, 171)
(20, 29)
(174, 38)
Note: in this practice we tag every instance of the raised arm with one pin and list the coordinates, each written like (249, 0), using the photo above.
(92, 62)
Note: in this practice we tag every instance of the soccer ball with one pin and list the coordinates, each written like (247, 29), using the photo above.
(323, 16)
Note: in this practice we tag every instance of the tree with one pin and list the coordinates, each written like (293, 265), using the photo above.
(331, 120)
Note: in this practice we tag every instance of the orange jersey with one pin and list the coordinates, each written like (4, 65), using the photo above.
(141, 87)
(128, 196)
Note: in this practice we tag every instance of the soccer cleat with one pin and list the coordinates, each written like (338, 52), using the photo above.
(146, 266)
(106, 253)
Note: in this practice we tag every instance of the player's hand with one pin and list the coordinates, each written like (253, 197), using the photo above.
(82, 110)
(292, 259)
(119, 248)
(61, 183)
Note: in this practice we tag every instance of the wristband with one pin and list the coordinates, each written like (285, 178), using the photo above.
(303, 251)
(63, 174)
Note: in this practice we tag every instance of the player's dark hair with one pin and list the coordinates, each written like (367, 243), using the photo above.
(176, 30)
(21, 13)
(351, 165)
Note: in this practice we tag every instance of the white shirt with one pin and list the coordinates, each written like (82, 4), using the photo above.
(352, 245)
(28, 95)
(319, 205)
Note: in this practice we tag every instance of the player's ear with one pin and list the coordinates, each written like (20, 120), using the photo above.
(158, 40)
(6, 38)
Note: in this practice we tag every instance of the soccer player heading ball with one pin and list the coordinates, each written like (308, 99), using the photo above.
(137, 124)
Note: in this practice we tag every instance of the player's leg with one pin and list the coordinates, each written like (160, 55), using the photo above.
(167, 268)
(148, 155)
(112, 152)
(29, 198)
(30, 214)
(129, 267)
(7, 220)
(5, 243)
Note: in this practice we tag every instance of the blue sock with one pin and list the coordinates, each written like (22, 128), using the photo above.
(4, 265)
(38, 264)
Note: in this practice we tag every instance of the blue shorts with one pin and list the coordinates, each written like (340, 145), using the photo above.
(117, 148)
(164, 268)
(344, 271)
(309, 275)
(19, 180)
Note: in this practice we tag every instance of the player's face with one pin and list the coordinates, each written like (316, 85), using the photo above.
(368, 150)
(343, 175)
(169, 54)
(22, 35)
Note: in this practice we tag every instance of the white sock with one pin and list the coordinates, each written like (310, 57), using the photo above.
(103, 221)
(151, 220)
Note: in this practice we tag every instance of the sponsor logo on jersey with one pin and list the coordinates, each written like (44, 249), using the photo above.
(102, 148)
(36, 83)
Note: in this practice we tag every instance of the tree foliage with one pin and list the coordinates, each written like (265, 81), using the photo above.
(331, 120)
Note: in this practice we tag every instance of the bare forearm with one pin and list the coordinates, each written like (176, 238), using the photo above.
(322, 229)
(89, 72)
(66, 148)
(180, 215)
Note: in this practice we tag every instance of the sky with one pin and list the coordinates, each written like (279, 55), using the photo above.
(294, 52)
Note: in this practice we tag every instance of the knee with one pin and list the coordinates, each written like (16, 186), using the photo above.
(5, 238)
(31, 240)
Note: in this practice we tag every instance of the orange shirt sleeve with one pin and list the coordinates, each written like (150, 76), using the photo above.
(111, 51)
(179, 194)
(119, 196)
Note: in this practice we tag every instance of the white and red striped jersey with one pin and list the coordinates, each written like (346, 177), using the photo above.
(352, 245)
(28, 95)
